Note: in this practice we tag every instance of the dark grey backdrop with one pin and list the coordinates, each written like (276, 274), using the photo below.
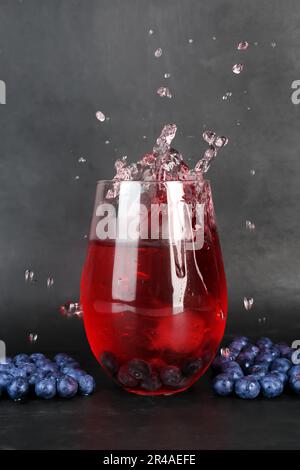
(64, 59)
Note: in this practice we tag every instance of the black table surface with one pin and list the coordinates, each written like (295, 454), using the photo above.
(113, 419)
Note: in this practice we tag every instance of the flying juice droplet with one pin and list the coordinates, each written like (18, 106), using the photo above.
(221, 141)
(209, 137)
(32, 337)
(237, 68)
(28, 275)
(250, 225)
(164, 92)
(100, 116)
(248, 303)
(242, 46)
(50, 282)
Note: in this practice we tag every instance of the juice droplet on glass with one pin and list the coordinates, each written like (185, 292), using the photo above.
(82, 160)
(150, 32)
(252, 172)
(191, 41)
(167, 75)
(158, 53)
(225, 352)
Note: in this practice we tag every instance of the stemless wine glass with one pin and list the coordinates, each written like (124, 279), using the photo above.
(153, 286)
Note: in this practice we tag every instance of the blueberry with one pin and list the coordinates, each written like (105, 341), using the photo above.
(28, 368)
(235, 345)
(5, 379)
(45, 388)
(151, 383)
(247, 387)
(60, 358)
(18, 372)
(125, 378)
(37, 357)
(251, 351)
(21, 358)
(264, 342)
(233, 370)
(67, 387)
(69, 364)
(241, 341)
(87, 384)
(5, 367)
(271, 385)
(55, 375)
(33, 379)
(259, 370)
(281, 375)
(48, 367)
(281, 364)
(18, 388)
(223, 385)
(218, 362)
(295, 370)
(75, 373)
(283, 348)
(244, 361)
(274, 351)
(139, 369)
(109, 362)
(42, 362)
(294, 382)
(264, 356)
(192, 366)
(171, 376)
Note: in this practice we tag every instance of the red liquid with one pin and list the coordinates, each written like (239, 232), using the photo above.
(148, 301)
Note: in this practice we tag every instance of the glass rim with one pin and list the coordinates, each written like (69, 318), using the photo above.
(196, 180)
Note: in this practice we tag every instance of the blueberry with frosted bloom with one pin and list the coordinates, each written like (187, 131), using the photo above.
(247, 388)
(271, 385)
(18, 388)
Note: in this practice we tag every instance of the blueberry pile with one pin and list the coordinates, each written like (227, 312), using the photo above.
(138, 373)
(249, 370)
(23, 374)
